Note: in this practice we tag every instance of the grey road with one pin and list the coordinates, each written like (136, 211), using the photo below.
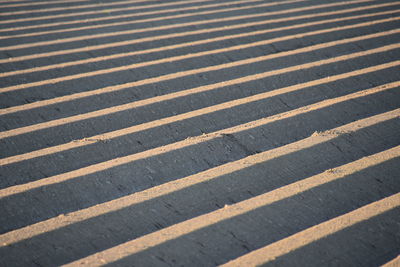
(200, 133)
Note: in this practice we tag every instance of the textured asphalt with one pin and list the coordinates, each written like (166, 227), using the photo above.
(200, 133)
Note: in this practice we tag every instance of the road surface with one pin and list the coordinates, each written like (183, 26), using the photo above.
(200, 133)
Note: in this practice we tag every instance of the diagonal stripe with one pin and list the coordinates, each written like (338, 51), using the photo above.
(208, 175)
(182, 34)
(171, 26)
(209, 40)
(153, 100)
(184, 73)
(130, 16)
(267, 253)
(317, 232)
(393, 263)
(92, 36)
(100, 4)
(193, 141)
(132, 129)
(37, 3)
(30, 19)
